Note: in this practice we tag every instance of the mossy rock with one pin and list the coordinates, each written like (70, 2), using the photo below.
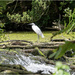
(7, 72)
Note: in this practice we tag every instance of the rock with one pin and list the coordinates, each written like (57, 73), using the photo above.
(9, 72)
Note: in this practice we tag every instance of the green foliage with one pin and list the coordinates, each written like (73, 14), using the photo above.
(44, 21)
(40, 52)
(61, 69)
(4, 3)
(71, 22)
(63, 49)
(1, 31)
(0, 10)
(38, 9)
(15, 18)
(1, 25)
(62, 4)
(71, 16)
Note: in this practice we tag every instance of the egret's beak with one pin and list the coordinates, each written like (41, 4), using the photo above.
(29, 24)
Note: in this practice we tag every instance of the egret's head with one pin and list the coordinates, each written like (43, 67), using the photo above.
(31, 24)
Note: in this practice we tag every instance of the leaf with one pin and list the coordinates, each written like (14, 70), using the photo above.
(71, 26)
(65, 67)
(58, 52)
(52, 55)
(40, 52)
(62, 49)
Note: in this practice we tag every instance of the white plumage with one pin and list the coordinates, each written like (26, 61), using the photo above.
(37, 30)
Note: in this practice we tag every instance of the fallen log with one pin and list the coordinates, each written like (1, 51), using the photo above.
(17, 40)
(29, 47)
(15, 70)
(51, 45)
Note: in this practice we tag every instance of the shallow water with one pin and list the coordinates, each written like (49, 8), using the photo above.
(33, 65)
(30, 62)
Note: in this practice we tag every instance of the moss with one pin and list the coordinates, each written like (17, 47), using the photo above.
(31, 36)
(9, 72)
(35, 52)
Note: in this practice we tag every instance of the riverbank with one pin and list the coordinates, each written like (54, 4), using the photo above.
(32, 36)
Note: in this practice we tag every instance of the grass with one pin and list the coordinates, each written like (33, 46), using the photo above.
(31, 36)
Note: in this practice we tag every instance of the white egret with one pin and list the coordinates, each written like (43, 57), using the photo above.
(37, 30)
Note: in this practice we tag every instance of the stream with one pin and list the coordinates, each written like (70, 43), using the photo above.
(29, 62)
(34, 64)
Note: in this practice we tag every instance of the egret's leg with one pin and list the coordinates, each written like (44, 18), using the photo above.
(38, 39)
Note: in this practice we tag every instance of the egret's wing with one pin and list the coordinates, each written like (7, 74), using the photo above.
(37, 30)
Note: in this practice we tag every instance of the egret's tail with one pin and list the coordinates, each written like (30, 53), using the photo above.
(42, 36)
